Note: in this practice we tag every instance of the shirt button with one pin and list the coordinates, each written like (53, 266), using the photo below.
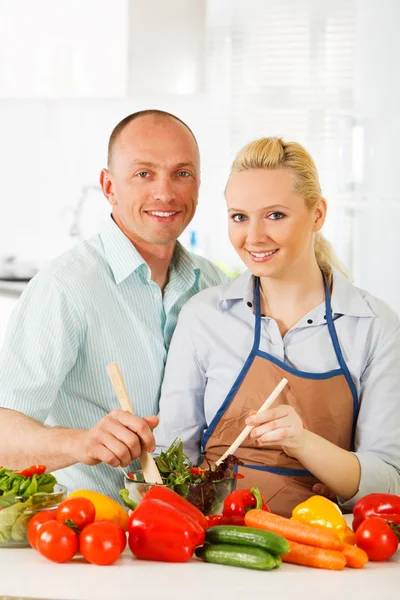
(249, 304)
(309, 321)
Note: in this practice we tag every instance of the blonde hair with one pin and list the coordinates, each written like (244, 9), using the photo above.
(275, 153)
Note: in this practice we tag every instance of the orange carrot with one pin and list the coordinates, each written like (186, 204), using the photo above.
(310, 556)
(293, 530)
(355, 557)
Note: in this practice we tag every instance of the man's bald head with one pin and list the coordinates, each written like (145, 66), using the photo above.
(158, 115)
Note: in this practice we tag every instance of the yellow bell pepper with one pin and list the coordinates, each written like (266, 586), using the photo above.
(106, 508)
(318, 510)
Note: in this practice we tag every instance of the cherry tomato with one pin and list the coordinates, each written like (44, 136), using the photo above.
(102, 542)
(376, 538)
(36, 522)
(76, 512)
(57, 541)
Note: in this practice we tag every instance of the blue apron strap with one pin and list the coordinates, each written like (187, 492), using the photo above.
(257, 325)
(339, 354)
(238, 382)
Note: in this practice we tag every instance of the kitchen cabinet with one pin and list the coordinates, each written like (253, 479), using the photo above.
(63, 49)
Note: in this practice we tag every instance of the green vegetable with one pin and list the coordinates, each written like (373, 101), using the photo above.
(193, 483)
(237, 556)
(124, 494)
(248, 536)
(20, 498)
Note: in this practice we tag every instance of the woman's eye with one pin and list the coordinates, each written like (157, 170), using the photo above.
(276, 216)
(238, 218)
(143, 174)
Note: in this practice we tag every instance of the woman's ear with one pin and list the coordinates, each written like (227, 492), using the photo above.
(320, 214)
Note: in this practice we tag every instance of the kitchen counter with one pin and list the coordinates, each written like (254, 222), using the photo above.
(25, 572)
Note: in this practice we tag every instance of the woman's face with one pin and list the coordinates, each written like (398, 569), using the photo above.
(270, 226)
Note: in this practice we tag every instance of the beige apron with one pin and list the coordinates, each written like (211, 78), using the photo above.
(326, 402)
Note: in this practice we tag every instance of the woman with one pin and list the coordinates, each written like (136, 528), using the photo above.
(292, 314)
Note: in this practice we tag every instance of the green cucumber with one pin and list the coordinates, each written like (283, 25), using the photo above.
(237, 556)
(278, 560)
(247, 536)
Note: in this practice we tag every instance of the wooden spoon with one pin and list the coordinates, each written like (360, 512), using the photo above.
(242, 436)
(150, 471)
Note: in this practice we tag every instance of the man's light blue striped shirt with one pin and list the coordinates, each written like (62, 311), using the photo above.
(93, 305)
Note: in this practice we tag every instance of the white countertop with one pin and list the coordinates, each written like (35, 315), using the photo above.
(24, 572)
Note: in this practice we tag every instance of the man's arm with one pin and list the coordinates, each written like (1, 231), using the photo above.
(117, 440)
(43, 340)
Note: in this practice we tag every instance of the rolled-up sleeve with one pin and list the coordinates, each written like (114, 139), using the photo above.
(40, 348)
(182, 396)
(377, 441)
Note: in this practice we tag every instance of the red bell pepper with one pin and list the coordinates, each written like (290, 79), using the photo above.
(240, 501)
(160, 531)
(214, 520)
(386, 506)
(31, 471)
(181, 504)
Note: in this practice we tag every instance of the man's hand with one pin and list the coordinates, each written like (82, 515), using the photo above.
(118, 439)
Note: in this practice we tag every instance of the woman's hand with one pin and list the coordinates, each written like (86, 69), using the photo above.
(281, 425)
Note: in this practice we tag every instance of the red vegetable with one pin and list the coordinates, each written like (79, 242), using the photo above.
(197, 471)
(183, 505)
(76, 512)
(102, 542)
(57, 541)
(382, 505)
(36, 522)
(377, 539)
(159, 530)
(241, 501)
(214, 520)
(31, 471)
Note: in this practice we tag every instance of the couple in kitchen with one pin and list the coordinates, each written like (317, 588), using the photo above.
(292, 313)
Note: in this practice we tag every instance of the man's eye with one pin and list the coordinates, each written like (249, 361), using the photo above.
(183, 173)
(238, 218)
(275, 216)
(142, 174)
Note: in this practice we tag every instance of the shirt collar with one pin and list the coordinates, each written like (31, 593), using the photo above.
(124, 259)
(346, 297)
(121, 254)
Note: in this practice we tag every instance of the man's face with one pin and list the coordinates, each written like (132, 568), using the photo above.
(153, 180)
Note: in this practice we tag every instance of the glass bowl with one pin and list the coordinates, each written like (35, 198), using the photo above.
(208, 497)
(17, 511)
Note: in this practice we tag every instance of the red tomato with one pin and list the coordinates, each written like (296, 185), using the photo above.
(36, 522)
(76, 512)
(376, 538)
(57, 541)
(102, 542)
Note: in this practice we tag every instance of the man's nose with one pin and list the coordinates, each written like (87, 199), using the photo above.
(163, 190)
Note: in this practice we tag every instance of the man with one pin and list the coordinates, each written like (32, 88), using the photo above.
(115, 297)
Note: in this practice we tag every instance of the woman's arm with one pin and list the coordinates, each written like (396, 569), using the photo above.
(375, 464)
(182, 395)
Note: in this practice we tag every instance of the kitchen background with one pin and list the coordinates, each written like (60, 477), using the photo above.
(322, 72)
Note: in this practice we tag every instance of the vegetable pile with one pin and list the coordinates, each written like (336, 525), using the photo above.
(58, 534)
(197, 485)
(22, 494)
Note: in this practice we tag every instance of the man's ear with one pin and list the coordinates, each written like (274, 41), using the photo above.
(107, 186)
(320, 214)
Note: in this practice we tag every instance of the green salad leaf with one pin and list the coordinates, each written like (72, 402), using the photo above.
(20, 498)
